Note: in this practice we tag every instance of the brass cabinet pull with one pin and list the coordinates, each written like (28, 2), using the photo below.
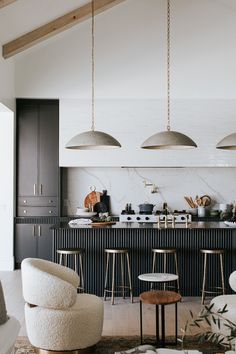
(39, 231)
(35, 185)
(34, 231)
(41, 189)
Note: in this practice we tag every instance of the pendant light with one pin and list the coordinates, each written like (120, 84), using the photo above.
(93, 139)
(227, 143)
(168, 139)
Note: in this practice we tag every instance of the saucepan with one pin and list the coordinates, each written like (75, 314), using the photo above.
(146, 208)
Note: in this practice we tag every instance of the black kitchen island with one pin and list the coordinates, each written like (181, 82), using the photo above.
(140, 239)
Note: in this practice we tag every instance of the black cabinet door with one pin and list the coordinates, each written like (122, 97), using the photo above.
(48, 149)
(38, 156)
(25, 242)
(44, 239)
(27, 164)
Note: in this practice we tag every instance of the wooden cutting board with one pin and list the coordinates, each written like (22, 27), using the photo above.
(103, 223)
(92, 198)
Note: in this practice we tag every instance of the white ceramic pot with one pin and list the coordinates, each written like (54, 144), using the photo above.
(201, 211)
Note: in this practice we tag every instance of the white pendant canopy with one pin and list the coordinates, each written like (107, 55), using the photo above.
(168, 140)
(93, 140)
(227, 143)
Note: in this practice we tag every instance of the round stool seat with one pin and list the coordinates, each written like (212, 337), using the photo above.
(116, 250)
(158, 277)
(70, 250)
(164, 250)
(212, 251)
(160, 297)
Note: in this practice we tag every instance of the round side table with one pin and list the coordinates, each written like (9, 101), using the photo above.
(159, 298)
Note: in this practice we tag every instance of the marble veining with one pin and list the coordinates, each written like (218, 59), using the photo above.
(126, 185)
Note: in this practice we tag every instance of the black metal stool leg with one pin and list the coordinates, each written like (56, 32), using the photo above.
(157, 326)
(163, 324)
(176, 323)
(141, 323)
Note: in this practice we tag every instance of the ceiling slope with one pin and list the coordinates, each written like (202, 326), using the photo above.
(54, 27)
(4, 3)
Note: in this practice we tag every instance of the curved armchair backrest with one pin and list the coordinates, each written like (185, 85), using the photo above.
(48, 284)
(232, 281)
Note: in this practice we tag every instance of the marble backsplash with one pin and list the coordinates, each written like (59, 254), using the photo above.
(126, 185)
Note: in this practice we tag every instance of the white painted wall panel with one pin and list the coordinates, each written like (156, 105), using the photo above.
(6, 188)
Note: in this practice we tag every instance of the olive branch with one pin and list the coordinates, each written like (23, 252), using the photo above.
(208, 316)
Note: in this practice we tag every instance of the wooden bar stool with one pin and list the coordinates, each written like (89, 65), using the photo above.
(124, 253)
(221, 289)
(78, 255)
(165, 252)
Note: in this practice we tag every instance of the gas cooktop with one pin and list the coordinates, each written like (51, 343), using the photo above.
(155, 218)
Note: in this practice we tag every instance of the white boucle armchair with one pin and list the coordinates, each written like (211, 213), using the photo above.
(57, 318)
(219, 303)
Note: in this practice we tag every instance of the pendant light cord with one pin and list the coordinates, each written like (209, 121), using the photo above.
(93, 69)
(168, 65)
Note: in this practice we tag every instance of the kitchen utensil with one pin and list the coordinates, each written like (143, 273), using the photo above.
(206, 200)
(190, 202)
(146, 208)
(92, 198)
(100, 207)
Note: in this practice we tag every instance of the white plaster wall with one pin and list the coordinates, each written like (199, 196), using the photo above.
(131, 54)
(125, 185)
(6, 188)
(7, 79)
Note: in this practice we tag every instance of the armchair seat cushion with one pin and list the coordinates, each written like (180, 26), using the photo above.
(8, 335)
(77, 327)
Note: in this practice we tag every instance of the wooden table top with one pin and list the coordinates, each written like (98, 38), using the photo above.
(160, 297)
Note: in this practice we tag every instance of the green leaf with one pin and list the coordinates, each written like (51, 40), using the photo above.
(207, 321)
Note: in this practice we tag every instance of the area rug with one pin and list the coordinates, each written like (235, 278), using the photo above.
(110, 345)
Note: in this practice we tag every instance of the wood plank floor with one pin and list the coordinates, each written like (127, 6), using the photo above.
(121, 319)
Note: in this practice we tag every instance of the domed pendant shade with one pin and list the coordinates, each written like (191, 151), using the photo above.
(93, 139)
(168, 139)
(227, 143)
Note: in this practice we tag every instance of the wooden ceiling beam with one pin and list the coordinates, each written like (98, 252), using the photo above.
(4, 3)
(54, 27)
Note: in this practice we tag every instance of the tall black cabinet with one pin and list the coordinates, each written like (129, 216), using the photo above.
(37, 177)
